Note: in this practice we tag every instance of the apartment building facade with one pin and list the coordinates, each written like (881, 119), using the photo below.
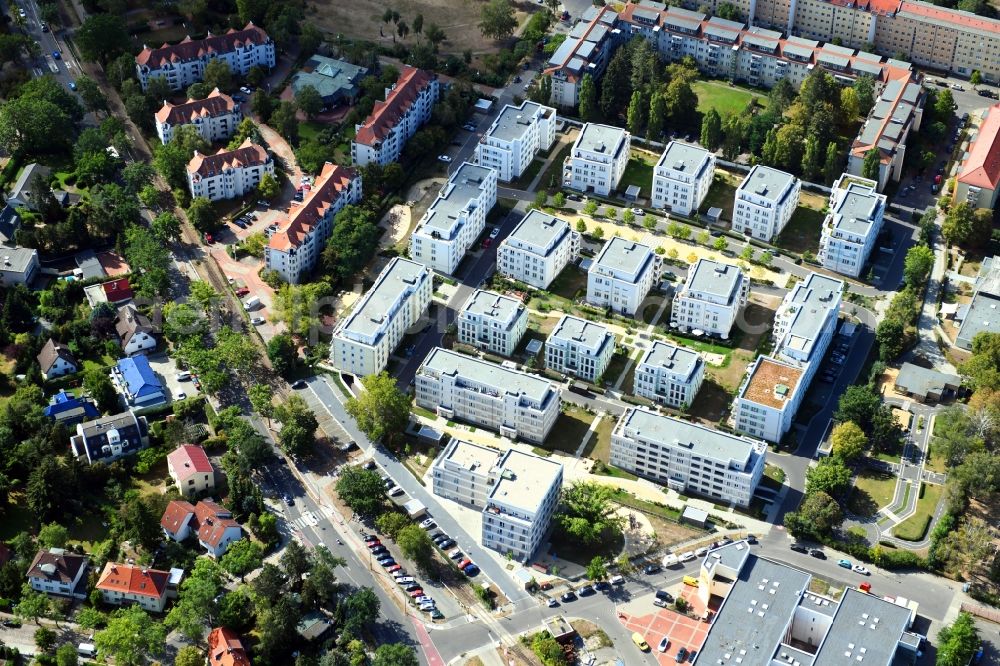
(852, 226)
(465, 472)
(492, 322)
(456, 218)
(621, 275)
(579, 348)
(898, 111)
(681, 178)
(363, 340)
(515, 137)
(587, 50)
(512, 403)
(688, 457)
(764, 202)
(380, 138)
(669, 375)
(768, 399)
(538, 249)
(228, 173)
(184, 63)
(710, 299)
(215, 117)
(598, 159)
(521, 503)
(294, 249)
(978, 181)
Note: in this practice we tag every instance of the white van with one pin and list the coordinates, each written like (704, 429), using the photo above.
(251, 303)
(670, 560)
(617, 579)
(86, 650)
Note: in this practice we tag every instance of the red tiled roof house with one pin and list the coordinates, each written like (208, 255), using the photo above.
(212, 523)
(226, 649)
(979, 180)
(215, 117)
(228, 173)
(124, 584)
(191, 470)
(407, 106)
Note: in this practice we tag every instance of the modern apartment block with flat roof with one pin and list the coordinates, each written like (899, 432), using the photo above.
(380, 138)
(537, 250)
(456, 218)
(710, 299)
(768, 399)
(669, 375)
(513, 403)
(978, 181)
(365, 338)
(465, 472)
(681, 178)
(621, 275)
(515, 137)
(852, 226)
(982, 315)
(587, 50)
(598, 159)
(521, 504)
(898, 110)
(765, 201)
(579, 348)
(492, 322)
(688, 457)
(767, 614)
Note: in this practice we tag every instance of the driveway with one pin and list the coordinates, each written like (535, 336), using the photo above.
(284, 152)
(244, 272)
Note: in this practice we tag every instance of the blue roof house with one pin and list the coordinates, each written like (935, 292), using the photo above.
(137, 383)
(66, 408)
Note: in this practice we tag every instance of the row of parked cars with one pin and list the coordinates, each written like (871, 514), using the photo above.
(408, 583)
(835, 359)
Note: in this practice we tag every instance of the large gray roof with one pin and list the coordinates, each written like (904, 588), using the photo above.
(514, 121)
(678, 360)
(497, 377)
(539, 229)
(369, 314)
(983, 316)
(493, 305)
(584, 333)
(766, 182)
(597, 138)
(623, 255)
(716, 278)
(464, 187)
(858, 209)
(701, 441)
(16, 259)
(921, 381)
(865, 630)
(684, 157)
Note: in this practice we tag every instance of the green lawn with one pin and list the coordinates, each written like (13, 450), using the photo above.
(721, 194)
(872, 491)
(554, 174)
(570, 284)
(915, 527)
(599, 446)
(725, 98)
(569, 430)
(309, 129)
(638, 171)
(935, 461)
(529, 174)
(802, 231)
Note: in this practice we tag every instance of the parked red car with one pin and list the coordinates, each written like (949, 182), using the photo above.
(464, 563)
(373, 544)
(417, 593)
(242, 291)
(209, 239)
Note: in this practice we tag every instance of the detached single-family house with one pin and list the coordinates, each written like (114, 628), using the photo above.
(136, 382)
(191, 470)
(136, 332)
(126, 584)
(925, 385)
(22, 193)
(69, 410)
(110, 437)
(226, 649)
(212, 523)
(58, 571)
(56, 360)
(10, 222)
(18, 265)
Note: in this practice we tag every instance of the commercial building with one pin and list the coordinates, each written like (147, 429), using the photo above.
(710, 299)
(296, 246)
(364, 339)
(191, 470)
(109, 438)
(515, 137)
(337, 82)
(978, 182)
(579, 348)
(681, 178)
(184, 63)
(669, 375)
(621, 275)
(380, 138)
(768, 399)
(898, 110)
(538, 249)
(499, 398)
(688, 457)
(56, 360)
(215, 118)
(126, 585)
(58, 571)
(764, 202)
(520, 505)
(598, 159)
(456, 218)
(465, 472)
(982, 315)
(852, 226)
(587, 50)
(492, 322)
(228, 173)
(18, 265)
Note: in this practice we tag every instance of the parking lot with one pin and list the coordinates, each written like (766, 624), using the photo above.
(166, 368)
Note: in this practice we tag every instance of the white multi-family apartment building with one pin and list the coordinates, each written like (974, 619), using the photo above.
(580, 348)
(688, 457)
(514, 138)
(587, 50)
(598, 159)
(711, 298)
(492, 322)
(184, 63)
(537, 249)
(364, 339)
(228, 173)
(621, 275)
(852, 226)
(465, 472)
(768, 399)
(513, 403)
(215, 117)
(455, 219)
(520, 506)
(407, 107)
(681, 178)
(669, 375)
(764, 202)
(296, 246)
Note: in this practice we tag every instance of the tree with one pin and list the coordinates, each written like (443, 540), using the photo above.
(391, 523)
(218, 74)
(830, 476)
(242, 557)
(728, 11)
(497, 20)
(33, 126)
(98, 385)
(33, 605)
(711, 129)
(682, 103)
(976, 78)
(559, 200)
(383, 410)
(395, 654)
(66, 656)
(284, 121)
(636, 116)
(298, 426)
(416, 545)
(818, 515)
(864, 89)
(196, 604)
(435, 35)
(548, 650)
(282, 352)
(586, 514)
(588, 99)
(812, 158)
(917, 266)
(944, 105)
(201, 213)
(597, 568)
(657, 116)
(541, 199)
(858, 403)
(130, 637)
(45, 639)
(957, 642)
(148, 259)
(93, 97)
(189, 655)
(628, 217)
(598, 233)
(204, 295)
(955, 436)
(53, 535)
(102, 36)
(262, 104)
(166, 227)
(310, 39)
(262, 400)
(359, 609)
(353, 242)
(850, 106)
(362, 490)
(957, 225)
(848, 441)
(268, 187)
(402, 29)
(309, 101)
(982, 369)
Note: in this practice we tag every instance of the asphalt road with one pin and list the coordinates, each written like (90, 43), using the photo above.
(65, 67)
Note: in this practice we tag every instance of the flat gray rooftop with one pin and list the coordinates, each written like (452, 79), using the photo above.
(597, 138)
(866, 627)
(514, 121)
(766, 182)
(983, 316)
(539, 229)
(370, 312)
(473, 457)
(922, 381)
(858, 209)
(525, 480)
(585, 333)
(678, 360)
(715, 278)
(699, 440)
(464, 187)
(16, 259)
(623, 255)
(497, 377)
(814, 296)
(493, 305)
(684, 157)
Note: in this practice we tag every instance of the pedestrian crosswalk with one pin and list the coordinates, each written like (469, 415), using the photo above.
(307, 519)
